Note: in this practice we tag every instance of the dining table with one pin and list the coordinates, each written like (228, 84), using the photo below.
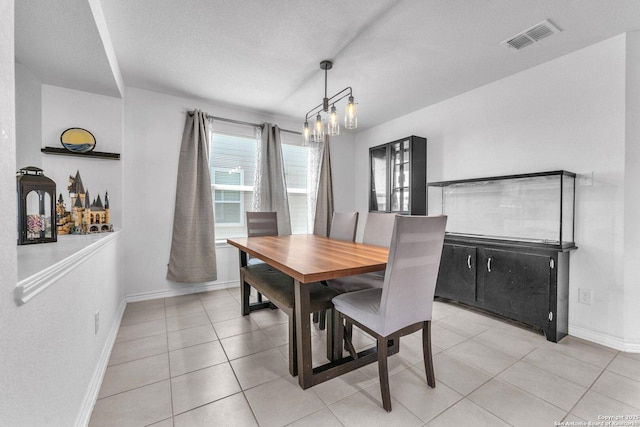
(309, 258)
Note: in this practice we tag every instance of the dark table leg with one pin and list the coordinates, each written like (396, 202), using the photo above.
(303, 334)
(330, 332)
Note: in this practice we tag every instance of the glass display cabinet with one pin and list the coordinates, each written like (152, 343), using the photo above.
(398, 176)
(537, 208)
(507, 245)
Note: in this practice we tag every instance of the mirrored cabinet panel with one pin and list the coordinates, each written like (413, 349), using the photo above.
(378, 198)
(398, 176)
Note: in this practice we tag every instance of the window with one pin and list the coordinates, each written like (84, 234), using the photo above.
(232, 161)
(295, 170)
(227, 198)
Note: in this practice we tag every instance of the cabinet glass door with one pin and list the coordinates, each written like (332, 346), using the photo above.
(378, 197)
(400, 176)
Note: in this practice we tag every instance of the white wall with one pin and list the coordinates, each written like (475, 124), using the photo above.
(153, 133)
(343, 173)
(10, 407)
(565, 114)
(28, 118)
(631, 198)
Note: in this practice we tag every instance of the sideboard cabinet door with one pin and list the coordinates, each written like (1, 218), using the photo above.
(514, 284)
(457, 274)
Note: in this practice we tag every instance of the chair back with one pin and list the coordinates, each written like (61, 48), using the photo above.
(412, 269)
(343, 226)
(378, 229)
(262, 224)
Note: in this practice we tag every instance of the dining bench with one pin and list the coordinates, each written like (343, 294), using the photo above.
(279, 289)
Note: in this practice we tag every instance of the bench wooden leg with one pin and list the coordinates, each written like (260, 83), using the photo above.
(245, 292)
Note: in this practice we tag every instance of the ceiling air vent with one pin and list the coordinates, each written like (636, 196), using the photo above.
(531, 35)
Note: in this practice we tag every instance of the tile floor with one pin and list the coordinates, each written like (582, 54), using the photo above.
(194, 361)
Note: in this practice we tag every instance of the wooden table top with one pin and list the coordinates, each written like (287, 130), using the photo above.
(310, 258)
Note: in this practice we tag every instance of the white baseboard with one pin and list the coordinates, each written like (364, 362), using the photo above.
(98, 374)
(186, 290)
(605, 339)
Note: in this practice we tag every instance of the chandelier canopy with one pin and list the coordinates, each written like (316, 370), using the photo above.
(317, 133)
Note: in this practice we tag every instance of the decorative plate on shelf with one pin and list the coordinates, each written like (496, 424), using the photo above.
(78, 140)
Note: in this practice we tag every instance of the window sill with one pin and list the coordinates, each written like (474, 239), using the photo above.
(222, 243)
(41, 265)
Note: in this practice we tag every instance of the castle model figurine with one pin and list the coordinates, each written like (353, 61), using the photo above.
(84, 217)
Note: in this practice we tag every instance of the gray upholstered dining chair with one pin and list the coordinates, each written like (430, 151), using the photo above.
(404, 303)
(377, 232)
(343, 227)
(261, 224)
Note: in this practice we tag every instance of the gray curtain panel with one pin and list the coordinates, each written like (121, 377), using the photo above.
(193, 247)
(314, 160)
(270, 188)
(324, 205)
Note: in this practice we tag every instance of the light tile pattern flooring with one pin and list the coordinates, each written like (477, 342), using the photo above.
(195, 361)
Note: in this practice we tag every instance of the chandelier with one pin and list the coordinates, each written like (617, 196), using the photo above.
(317, 133)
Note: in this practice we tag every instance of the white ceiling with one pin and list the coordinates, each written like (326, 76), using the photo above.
(398, 55)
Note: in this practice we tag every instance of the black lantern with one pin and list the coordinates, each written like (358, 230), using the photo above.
(36, 207)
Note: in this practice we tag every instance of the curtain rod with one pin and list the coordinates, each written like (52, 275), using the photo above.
(240, 122)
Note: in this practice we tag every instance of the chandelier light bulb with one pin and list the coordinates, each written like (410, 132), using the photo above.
(318, 129)
(306, 133)
(334, 122)
(351, 114)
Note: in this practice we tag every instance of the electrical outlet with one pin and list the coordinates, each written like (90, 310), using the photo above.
(97, 322)
(584, 296)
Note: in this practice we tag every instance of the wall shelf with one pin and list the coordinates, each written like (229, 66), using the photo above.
(90, 154)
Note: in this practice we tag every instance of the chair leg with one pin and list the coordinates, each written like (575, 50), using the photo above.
(321, 317)
(348, 334)
(322, 320)
(259, 297)
(426, 352)
(383, 371)
(348, 345)
(335, 335)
